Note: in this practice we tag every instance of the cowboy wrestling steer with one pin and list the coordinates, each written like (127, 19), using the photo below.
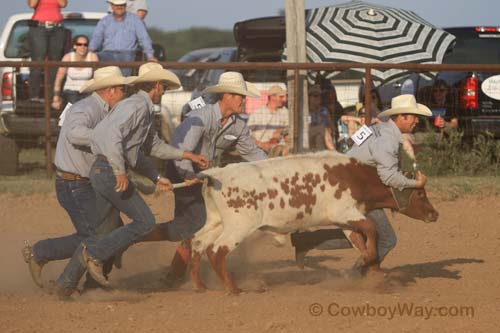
(293, 193)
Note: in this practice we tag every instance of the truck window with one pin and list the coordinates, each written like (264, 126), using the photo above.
(18, 45)
(473, 47)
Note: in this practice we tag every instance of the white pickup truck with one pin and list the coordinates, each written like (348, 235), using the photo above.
(22, 122)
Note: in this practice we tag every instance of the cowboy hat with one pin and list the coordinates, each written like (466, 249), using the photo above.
(117, 2)
(405, 104)
(104, 77)
(152, 72)
(233, 83)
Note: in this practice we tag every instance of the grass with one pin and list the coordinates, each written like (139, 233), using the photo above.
(33, 177)
(453, 187)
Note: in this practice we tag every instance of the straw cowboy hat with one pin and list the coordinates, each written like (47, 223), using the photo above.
(152, 72)
(104, 77)
(117, 2)
(405, 104)
(233, 83)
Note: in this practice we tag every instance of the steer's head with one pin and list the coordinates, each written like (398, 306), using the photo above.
(413, 202)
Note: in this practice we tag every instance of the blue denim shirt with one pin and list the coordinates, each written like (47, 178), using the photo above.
(124, 35)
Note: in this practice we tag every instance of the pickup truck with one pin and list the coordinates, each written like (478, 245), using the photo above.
(22, 122)
(473, 97)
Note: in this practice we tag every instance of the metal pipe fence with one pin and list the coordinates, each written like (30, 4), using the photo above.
(294, 67)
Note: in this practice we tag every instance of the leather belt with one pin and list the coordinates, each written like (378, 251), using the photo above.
(69, 176)
(49, 24)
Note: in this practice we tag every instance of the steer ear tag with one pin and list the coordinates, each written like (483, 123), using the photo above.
(361, 135)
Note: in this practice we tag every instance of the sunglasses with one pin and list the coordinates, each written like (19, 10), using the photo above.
(81, 44)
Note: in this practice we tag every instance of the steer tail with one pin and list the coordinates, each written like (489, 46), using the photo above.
(209, 180)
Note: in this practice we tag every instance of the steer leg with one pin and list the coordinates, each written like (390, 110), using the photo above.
(219, 266)
(367, 228)
(198, 284)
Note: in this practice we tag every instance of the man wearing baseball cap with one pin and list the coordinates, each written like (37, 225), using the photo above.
(268, 123)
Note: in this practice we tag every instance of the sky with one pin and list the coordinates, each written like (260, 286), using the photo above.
(222, 14)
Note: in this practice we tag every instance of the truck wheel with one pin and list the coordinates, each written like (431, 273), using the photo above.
(10, 155)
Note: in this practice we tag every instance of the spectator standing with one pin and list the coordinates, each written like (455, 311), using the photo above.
(441, 105)
(76, 77)
(118, 35)
(46, 37)
(137, 7)
(268, 123)
(330, 101)
(320, 125)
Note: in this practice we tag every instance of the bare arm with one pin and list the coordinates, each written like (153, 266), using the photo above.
(328, 139)
(62, 3)
(61, 72)
(32, 3)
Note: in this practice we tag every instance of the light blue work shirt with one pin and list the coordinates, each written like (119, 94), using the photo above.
(202, 133)
(381, 150)
(127, 133)
(72, 150)
(123, 35)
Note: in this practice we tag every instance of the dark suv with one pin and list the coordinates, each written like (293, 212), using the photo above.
(473, 97)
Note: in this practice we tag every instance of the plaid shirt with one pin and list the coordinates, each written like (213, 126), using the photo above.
(263, 122)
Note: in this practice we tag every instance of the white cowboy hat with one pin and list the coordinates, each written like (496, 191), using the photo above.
(104, 77)
(117, 2)
(233, 83)
(152, 72)
(405, 104)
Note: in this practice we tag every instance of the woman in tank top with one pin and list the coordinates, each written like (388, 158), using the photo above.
(76, 77)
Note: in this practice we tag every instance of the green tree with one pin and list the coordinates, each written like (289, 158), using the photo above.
(178, 43)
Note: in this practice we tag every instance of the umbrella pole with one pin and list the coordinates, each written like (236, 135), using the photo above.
(368, 96)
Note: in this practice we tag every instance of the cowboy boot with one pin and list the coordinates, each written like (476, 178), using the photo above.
(34, 267)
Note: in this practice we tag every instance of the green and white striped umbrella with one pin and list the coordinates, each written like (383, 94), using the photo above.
(366, 33)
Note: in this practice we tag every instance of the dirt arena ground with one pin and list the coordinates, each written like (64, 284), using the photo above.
(442, 277)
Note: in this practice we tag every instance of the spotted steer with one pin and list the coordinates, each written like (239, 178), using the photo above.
(293, 193)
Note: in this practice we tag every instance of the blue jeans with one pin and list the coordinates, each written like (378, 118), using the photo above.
(129, 202)
(78, 198)
(90, 215)
(386, 240)
(386, 237)
(44, 43)
(118, 56)
(190, 215)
